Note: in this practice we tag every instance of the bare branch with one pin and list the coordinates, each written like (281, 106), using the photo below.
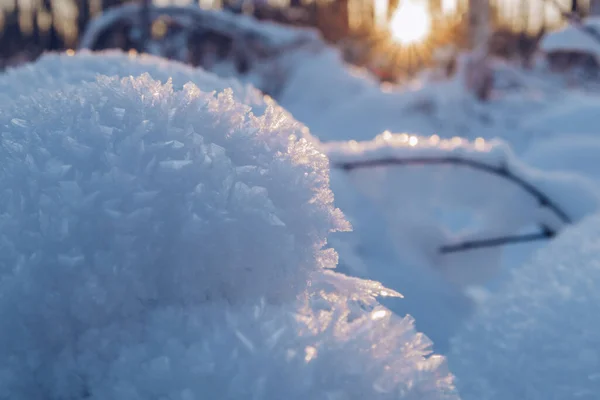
(502, 171)
(545, 234)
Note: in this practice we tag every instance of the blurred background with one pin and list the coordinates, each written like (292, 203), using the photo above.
(394, 39)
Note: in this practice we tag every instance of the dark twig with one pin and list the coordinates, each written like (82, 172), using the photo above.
(500, 241)
(502, 171)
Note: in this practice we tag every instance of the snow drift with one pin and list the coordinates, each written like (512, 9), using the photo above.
(169, 243)
(537, 338)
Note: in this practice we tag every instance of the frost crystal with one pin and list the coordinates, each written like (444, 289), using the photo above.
(161, 243)
(55, 70)
(184, 197)
(537, 339)
(255, 351)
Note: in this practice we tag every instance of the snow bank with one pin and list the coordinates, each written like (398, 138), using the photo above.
(54, 70)
(572, 38)
(537, 338)
(437, 193)
(164, 243)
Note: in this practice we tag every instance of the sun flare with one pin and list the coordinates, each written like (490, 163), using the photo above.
(410, 23)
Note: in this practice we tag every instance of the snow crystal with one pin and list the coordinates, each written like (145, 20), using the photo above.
(537, 337)
(55, 70)
(169, 243)
(183, 198)
(254, 351)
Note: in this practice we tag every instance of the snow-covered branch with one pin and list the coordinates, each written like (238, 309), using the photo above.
(500, 170)
(442, 197)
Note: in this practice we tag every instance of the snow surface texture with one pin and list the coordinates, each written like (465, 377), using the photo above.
(261, 352)
(538, 338)
(161, 243)
(55, 70)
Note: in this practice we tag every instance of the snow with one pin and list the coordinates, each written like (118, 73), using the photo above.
(331, 83)
(574, 115)
(260, 351)
(409, 196)
(262, 207)
(54, 70)
(168, 242)
(164, 171)
(572, 38)
(538, 338)
(344, 103)
(572, 153)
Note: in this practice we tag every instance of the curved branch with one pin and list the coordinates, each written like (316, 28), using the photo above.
(502, 171)
(500, 241)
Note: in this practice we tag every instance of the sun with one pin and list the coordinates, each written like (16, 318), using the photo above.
(410, 23)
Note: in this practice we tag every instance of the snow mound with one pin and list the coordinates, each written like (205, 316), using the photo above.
(125, 193)
(537, 339)
(572, 38)
(162, 243)
(438, 193)
(54, 70)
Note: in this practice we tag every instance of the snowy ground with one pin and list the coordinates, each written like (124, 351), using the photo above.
(420, 171)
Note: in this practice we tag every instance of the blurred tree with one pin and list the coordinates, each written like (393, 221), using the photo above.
(595, 7)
